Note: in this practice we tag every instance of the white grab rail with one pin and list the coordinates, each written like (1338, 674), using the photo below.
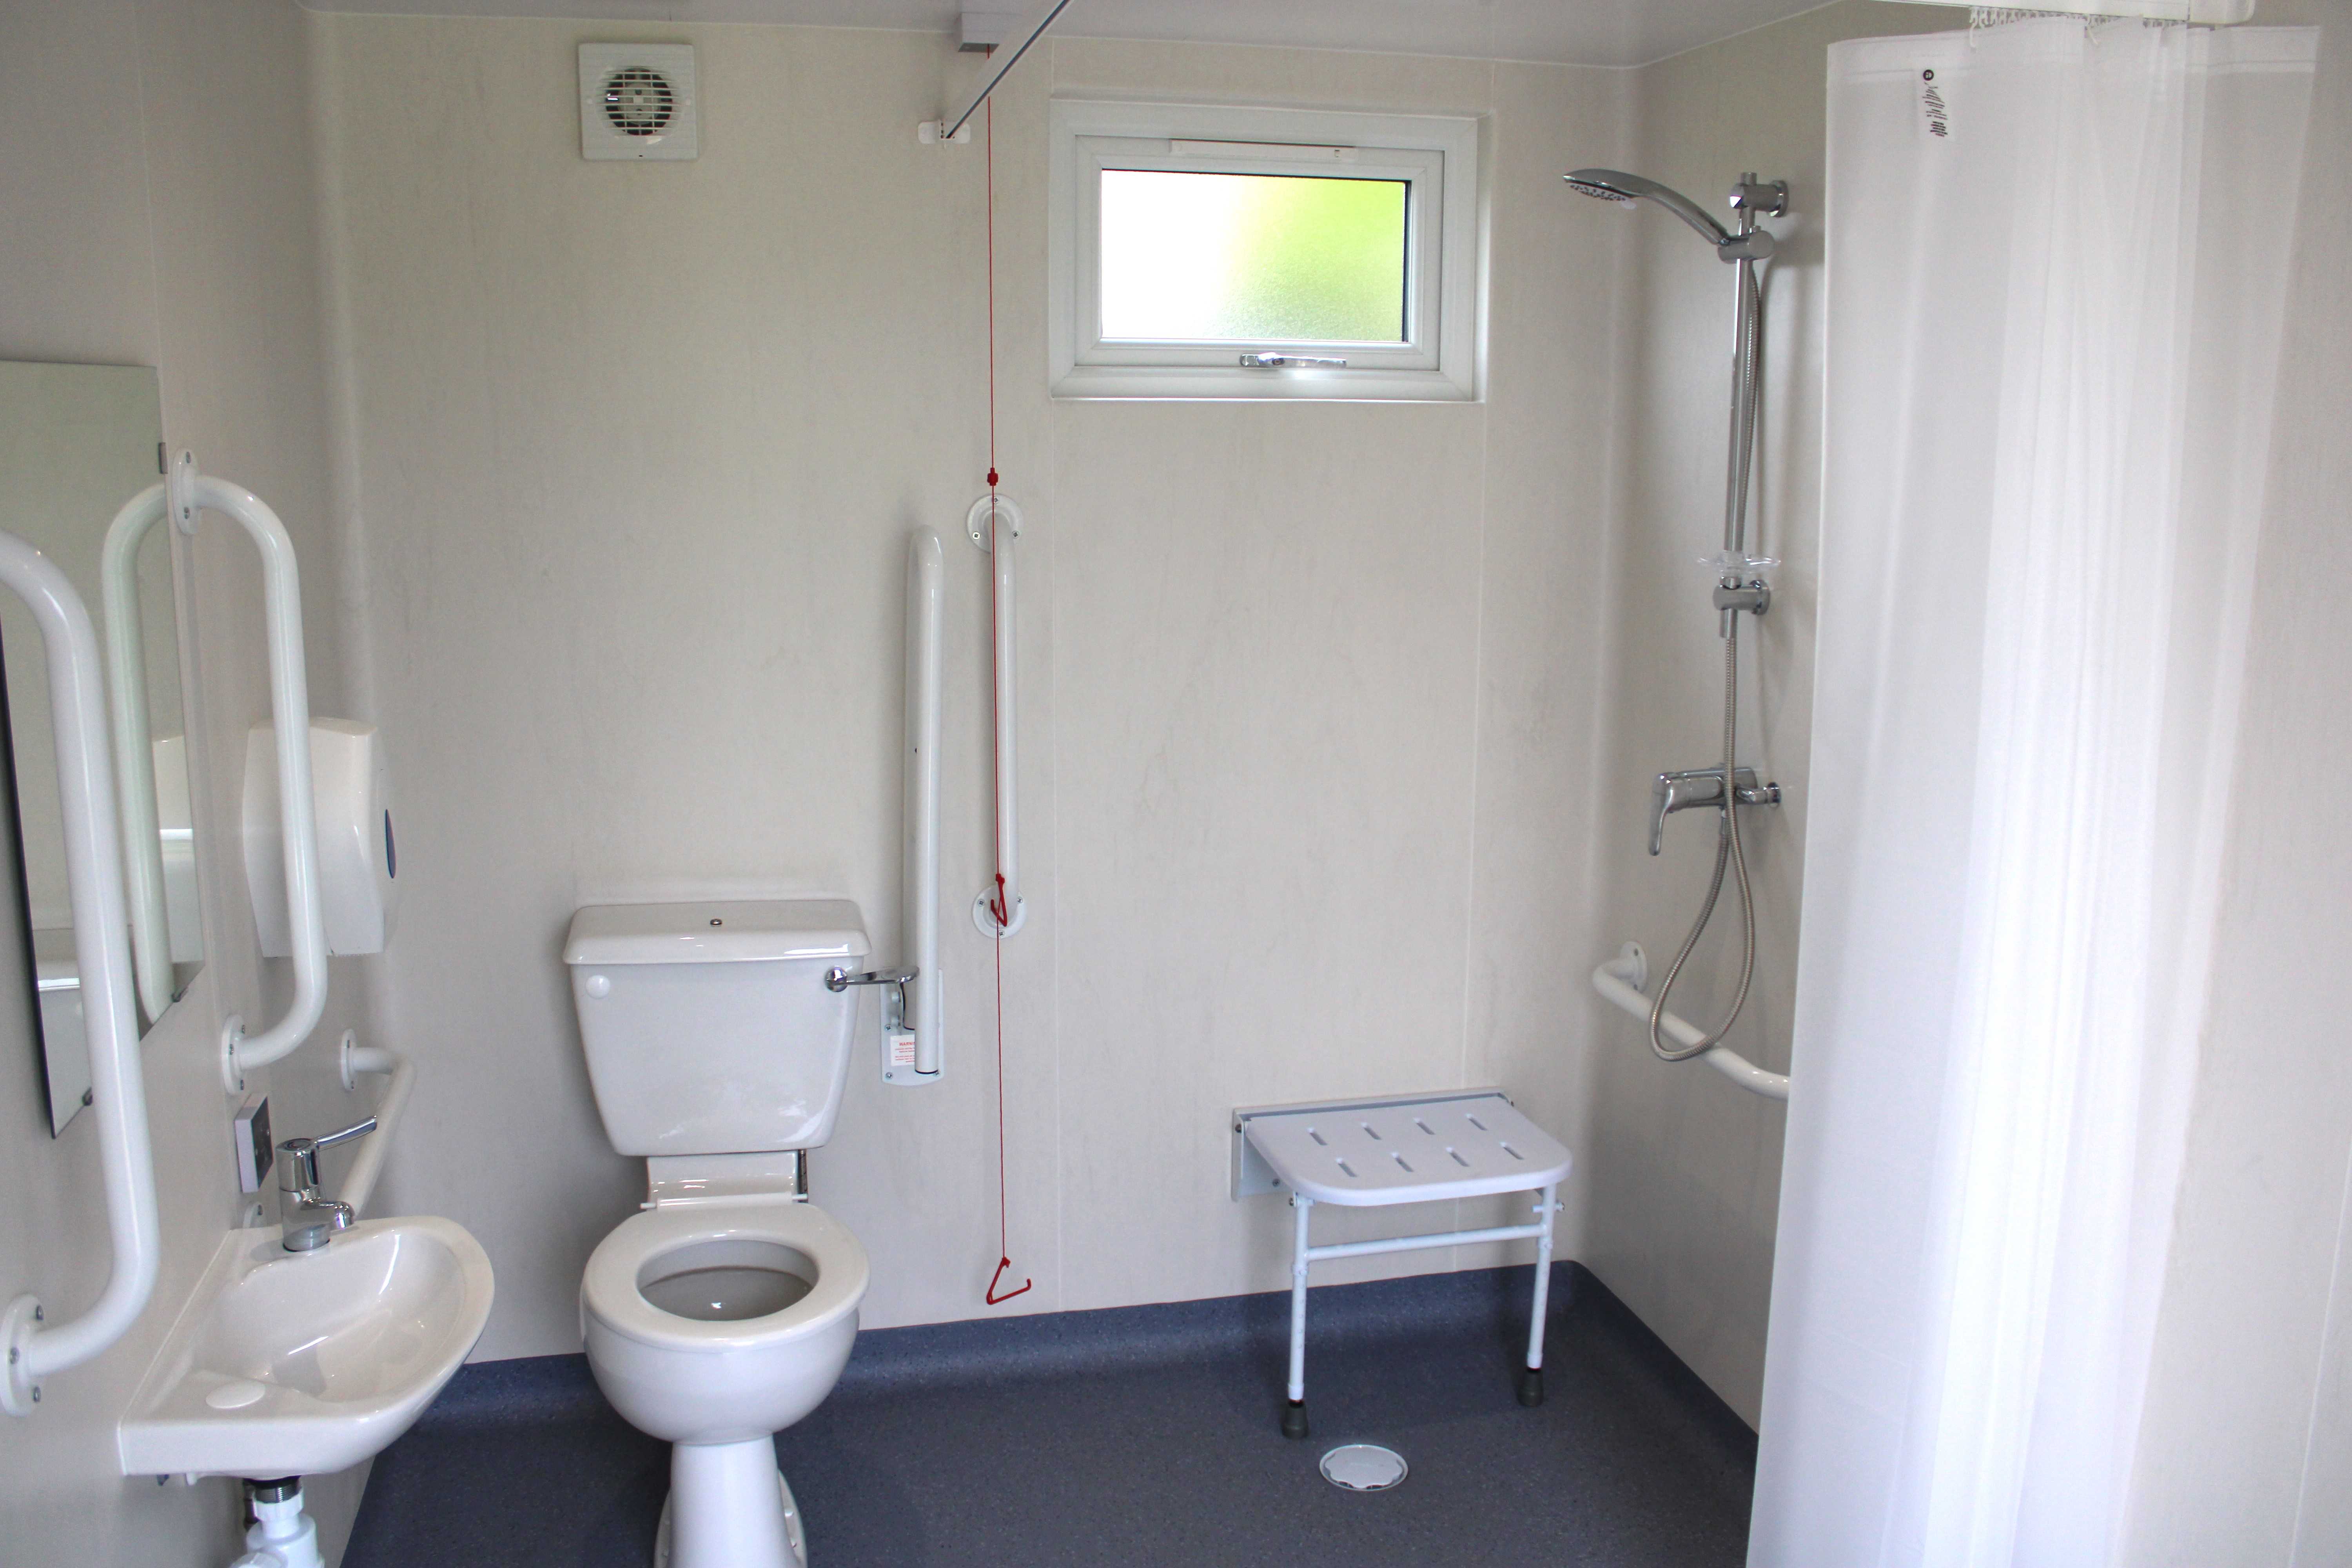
(110, 1025)
(135, 755)
(192, 493)
(994, 523)
(358, 1183)
(920, 892)
(1621, 981)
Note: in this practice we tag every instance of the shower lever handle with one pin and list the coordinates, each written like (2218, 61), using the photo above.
(1701, 786)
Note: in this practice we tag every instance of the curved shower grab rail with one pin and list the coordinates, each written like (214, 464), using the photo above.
(110, 1025)
(134, 754)
(192, 493)
(1619, 980)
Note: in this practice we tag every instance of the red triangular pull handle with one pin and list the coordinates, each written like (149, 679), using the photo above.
(993, 1297)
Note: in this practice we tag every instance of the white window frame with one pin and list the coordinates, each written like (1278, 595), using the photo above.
(1437, 154)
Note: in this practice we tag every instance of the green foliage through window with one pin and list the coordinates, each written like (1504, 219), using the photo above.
(1285, 257)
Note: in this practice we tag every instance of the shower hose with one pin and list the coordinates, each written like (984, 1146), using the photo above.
(1728, 849)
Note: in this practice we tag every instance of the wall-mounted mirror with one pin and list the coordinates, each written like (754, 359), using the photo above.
(76, 442)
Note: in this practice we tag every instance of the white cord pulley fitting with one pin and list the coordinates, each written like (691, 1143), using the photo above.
(983, 915)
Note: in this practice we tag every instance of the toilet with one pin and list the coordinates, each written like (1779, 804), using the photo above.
(725, 1309)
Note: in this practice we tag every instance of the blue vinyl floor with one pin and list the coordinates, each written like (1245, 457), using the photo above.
(1141, 1434)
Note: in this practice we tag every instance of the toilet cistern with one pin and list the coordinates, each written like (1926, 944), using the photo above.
(718, 1038)
(308, 1221)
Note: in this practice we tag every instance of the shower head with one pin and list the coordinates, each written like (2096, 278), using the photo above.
(1616, 185)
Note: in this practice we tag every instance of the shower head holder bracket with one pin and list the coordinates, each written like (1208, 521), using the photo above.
(1754, 596)
(1741, 582)
(1767, 198)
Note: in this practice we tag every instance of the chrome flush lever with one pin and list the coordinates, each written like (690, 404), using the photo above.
(894, 999)
(838, 979)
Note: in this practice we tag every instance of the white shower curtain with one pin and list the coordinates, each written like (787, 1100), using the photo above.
(2056, 287)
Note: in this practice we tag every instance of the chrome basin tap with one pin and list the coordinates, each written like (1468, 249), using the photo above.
(308, 1220)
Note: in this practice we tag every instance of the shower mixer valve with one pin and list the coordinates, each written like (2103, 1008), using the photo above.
(1701, 786)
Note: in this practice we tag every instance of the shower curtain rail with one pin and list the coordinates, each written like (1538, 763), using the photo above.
(1621, 980)
(949, 126)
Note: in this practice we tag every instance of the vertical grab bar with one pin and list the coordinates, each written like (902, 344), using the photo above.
(925, 1012)
(191, 493)
(994, 524)
(134, 752)
(103, 950)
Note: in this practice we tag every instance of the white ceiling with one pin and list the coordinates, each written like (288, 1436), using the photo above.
(1581, 32)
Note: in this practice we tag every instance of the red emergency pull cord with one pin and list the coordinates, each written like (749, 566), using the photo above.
(1000, 906)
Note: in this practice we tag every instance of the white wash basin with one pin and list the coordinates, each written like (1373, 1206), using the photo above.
(287, 1363)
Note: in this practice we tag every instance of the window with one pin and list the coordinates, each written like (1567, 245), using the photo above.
(1219, 252)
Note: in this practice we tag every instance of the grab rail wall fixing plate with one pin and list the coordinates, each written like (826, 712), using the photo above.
(77, 720)
(994, 523)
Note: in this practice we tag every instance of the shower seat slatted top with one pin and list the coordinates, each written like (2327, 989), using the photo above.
(1403, 1150)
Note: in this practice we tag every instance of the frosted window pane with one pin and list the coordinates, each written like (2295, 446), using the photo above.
(1290, 257)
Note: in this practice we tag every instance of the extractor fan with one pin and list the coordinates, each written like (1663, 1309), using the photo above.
(636, 102)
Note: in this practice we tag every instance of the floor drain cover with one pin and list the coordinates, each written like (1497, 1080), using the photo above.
(1364, 1468)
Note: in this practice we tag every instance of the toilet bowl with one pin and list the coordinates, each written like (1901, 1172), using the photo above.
(725, 1310)
(721, 1324)
(714, 1328)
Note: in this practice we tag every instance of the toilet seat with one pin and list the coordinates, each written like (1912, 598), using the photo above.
(609, 1291)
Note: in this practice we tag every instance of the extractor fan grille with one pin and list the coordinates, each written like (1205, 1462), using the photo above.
(637, 101)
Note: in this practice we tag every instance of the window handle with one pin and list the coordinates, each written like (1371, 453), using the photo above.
(1291, 362)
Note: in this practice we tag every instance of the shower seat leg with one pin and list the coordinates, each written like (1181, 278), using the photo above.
(1294, 1414)
(1530, 1381)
